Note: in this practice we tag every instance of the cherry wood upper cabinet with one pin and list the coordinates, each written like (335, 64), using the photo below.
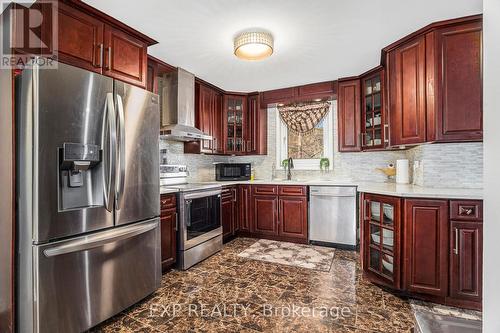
(426, 234)
(125, 56)
(407, 93)
(349, 115)
(456, 51)
(208, 119)
(92, 40)
(293, 217)
(80, 39)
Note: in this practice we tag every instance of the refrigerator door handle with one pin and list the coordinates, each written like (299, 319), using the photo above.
(93, 241)
(109, 150)
(121, 152)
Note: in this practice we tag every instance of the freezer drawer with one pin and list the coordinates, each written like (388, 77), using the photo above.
(85, 280)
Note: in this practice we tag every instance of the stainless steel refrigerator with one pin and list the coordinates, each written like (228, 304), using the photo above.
(87, 198)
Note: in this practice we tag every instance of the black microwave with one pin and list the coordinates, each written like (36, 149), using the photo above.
(233, 171)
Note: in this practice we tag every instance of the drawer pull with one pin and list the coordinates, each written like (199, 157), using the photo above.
(466, 211)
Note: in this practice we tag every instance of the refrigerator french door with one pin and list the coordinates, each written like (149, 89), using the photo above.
(87, 198)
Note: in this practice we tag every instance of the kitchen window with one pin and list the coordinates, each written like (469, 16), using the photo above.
(311, 140)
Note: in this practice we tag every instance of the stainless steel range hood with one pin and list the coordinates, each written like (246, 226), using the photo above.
(177, 96)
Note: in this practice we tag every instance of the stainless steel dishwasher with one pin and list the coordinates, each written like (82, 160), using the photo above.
(332, 216)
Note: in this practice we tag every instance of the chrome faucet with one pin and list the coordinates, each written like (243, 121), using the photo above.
(289, 166)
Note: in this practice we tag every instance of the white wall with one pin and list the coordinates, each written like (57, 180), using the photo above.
(491, 107)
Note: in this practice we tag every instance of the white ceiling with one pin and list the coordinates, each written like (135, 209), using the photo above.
(315, 40)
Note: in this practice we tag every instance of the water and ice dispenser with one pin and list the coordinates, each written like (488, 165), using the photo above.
(80, 176)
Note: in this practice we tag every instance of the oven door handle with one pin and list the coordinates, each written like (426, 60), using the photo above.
(202, 194)
(188, 212)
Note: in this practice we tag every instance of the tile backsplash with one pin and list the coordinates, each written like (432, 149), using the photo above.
(442, 165)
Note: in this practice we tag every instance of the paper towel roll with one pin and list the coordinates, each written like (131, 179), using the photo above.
(402, 172)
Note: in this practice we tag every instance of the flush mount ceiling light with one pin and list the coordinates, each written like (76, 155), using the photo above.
(253, 45)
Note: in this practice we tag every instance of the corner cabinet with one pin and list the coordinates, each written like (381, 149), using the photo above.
(382, 238)
(373, 116)
(349, 115)
(234, 120)
(424, 248)
(435, 84)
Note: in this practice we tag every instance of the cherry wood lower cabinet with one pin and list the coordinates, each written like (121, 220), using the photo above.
(425, 266)
(381, 239)
(466, 246)
(244, 207)
(229, 212)
(168, 227)
(436, 250)
(279, 212)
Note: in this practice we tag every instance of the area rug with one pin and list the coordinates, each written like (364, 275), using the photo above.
(305, 256)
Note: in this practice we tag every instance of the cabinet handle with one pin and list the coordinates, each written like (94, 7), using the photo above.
(176, 222)
(215, 144)
(108, 65)
(466, 211)
(386, 133)
(455, 250)
(101, 55)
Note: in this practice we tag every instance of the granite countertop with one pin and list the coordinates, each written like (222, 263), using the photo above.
(392, 189)
(168, 190)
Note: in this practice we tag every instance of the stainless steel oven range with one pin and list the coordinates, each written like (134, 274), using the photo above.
(200, 229)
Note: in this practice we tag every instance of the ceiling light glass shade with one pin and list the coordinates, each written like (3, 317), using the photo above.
(253, 45)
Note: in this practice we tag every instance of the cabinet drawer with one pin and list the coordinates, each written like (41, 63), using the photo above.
(168, 201)
(293, 190)
(470, 210)
(264, 189)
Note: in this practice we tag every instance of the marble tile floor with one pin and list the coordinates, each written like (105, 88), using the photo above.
(227, 293)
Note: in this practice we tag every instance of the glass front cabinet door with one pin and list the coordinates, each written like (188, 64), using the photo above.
(381, 238)
(373, 126)
(234, 124)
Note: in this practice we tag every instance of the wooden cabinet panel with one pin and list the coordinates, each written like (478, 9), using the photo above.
(466, 253)
(205, 115)
(459, 83)
(373, 114)
(407, 93)
(381, 238)
(292, 190)
(349, 121)
(252, 125)
(265, 214)
(234, 123)
(426, 246)
(80, 39)
(468, 210)
(227, 216)
(293, 217)
(125, 57)
(315, 89)
(264, 189)
(168, 229)
(244, 208)
(217, 128)
(168, 224)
